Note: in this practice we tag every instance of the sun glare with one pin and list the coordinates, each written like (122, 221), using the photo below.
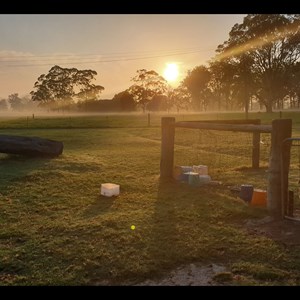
(171, 72)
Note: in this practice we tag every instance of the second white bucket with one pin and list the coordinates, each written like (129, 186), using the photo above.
(201, 169)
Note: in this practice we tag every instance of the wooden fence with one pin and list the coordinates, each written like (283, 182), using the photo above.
(280, 130)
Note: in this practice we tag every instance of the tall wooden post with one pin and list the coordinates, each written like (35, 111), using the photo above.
(167, 147)
(256, 146)
(278, 178)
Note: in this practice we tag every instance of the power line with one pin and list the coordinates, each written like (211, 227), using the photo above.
(97, 61)
(107, 58)
(50, 56)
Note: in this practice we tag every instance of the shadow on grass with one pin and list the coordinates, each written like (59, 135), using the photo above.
(15, 167)
(172, 223)
(101, 206)
(255, 171)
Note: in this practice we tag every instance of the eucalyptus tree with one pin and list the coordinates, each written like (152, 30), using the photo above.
(179, 97)
(3, 105)
(15, 102)
(126, 101)
(221, 83)
(270, 44)
(196, 82)
(64, 84)
(147, 84)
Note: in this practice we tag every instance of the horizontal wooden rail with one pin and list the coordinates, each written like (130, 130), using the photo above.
(230, 121)
(225, 127)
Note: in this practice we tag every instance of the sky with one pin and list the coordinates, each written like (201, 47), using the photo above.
(114, 45)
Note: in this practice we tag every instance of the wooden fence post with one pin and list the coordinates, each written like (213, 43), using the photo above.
(277, 181)
(167, 147)
(256, 147)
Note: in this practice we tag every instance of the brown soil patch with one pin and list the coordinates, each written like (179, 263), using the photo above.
(284, 231)
(190, 275)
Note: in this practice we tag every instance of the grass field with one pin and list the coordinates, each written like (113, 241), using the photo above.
(56, 229)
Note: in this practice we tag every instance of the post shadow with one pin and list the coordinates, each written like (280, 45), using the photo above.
(100, 206)
(166, 241)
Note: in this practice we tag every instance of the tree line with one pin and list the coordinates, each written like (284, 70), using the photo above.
(17, 103)
(257, 65)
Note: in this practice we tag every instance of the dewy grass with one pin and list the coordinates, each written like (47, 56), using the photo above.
(56, 228)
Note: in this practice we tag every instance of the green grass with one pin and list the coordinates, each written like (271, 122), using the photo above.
(56, 229)
(128, 120)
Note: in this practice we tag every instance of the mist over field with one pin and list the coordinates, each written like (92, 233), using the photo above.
(194, 117)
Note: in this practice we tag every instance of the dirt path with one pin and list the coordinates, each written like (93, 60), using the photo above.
(197, 274)
(190, 275)
(283, 231)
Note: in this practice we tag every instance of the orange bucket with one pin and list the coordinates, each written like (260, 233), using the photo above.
(259, 198)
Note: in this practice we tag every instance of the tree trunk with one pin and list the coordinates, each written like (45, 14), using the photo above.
(219, 103)
(246, 99)
(269, 106)
(30, 146)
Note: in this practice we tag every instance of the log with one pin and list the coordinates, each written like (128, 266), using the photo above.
(30, 146)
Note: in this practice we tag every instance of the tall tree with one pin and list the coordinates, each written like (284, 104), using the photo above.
(242, 83)
(63, 84)
(272, 43)
(196, 82)
(146, 85)
(293, 85)
(90, 92)
(159, 103)
(3, 105)
(15, 102)
(126, 100)
(222, 75)
(180, 97)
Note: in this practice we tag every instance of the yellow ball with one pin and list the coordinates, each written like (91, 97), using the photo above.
(132, 227)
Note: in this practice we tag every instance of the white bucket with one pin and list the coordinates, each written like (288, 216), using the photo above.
(201, 169)
(193, 178)
(110, 189)
(186, 169)
(180, 171)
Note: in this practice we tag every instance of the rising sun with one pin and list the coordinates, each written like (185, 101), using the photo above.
(171, 72)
